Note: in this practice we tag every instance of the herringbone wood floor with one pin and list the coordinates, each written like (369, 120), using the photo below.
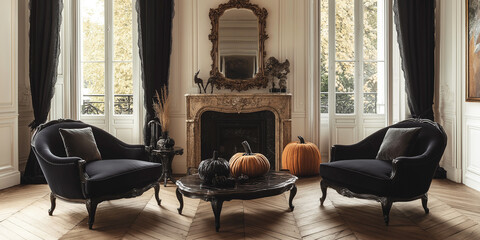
(454, 214)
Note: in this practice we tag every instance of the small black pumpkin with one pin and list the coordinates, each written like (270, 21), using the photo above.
(213, 167)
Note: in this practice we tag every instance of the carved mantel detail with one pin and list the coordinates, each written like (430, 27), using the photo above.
(197, 104)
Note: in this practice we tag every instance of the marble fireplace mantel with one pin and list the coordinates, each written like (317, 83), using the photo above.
(279, 104)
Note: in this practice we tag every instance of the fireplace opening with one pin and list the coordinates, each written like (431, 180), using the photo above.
(225, 133)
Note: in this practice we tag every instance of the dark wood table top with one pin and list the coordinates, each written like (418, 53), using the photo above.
(176, 150)
(273, 183)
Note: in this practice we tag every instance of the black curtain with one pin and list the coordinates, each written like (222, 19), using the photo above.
(415, 22)
(45, 21)
(155, 20)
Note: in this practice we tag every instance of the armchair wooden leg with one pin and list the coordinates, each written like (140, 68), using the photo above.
(323, 186)
(157, 191)
(386, 206)
(91, 208)
(52, 204)
(424, 203)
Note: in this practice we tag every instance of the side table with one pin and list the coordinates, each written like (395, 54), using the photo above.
(165, 157)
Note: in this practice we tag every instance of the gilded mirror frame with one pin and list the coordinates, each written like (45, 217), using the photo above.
(260, 80)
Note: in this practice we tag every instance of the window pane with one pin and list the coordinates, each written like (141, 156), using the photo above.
(123, 87)
(323, 102)
(373, 85)
(93, 88)
(345, 87)
(93, 30)
(93, 56)
(344, 29)
(324, 55)
(374, 37)
(122, 30)
(344, 76)
(345, 103)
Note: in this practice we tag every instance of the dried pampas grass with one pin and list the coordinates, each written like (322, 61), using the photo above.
(160, 106)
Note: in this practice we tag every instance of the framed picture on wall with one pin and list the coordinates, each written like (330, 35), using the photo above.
(473, 50)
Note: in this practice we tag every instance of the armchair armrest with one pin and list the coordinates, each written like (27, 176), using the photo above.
(362, 150)
(62, 174)
(412, 175)
(116, 149)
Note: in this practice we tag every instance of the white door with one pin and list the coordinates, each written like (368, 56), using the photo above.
(108, 67)
(353, 69)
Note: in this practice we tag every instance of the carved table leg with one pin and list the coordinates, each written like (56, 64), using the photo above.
(386, 206)
(161, 176)
(293, 192)
(167, 168)
(91, 208)
(52, 204)
(323, 186)
(217, 209)
(157, 191)
(180, 199)
(424, 203)
(165, 179)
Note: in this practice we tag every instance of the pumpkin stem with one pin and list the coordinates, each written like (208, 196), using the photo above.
(246, 146)
(302, 141)
(215, 155)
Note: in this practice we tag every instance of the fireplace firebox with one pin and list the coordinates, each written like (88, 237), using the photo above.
(225, 132)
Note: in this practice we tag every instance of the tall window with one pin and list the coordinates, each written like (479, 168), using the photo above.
(352, 39)
(106, 57)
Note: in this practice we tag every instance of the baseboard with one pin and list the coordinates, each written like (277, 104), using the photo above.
(472, 180)
(9, 179)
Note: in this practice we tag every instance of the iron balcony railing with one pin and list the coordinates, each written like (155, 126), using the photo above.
(94, 104)
(345, 102)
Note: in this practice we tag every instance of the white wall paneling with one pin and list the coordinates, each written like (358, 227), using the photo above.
(470, 111)
(287, 27)
(448, 81)
(9, 174)
(25, 111)
(8, 28)
(472, 151)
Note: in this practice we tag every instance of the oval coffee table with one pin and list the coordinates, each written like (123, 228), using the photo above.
(274, 183)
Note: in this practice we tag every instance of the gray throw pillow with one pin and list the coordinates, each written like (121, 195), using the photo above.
(80, 142)
(396, 142)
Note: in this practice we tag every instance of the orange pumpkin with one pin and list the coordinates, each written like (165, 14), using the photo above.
(301, 158)
(248, 163)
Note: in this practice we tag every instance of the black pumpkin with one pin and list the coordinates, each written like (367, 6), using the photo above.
(213, 167)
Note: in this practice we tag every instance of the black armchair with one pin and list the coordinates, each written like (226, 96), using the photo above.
(122, 172)
(353, 170)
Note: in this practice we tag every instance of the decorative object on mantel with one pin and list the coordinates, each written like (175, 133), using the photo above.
(214, 171)
(199, 82)
(301, 158)
(161, 107)
(275, 69)
(248, 163)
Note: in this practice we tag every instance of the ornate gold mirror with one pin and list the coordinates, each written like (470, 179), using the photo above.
(238, 45)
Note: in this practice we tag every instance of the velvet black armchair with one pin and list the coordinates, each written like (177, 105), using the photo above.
(353, 170)
(122, 172)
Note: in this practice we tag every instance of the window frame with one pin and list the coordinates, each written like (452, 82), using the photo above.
(109, 96)
(358, 60)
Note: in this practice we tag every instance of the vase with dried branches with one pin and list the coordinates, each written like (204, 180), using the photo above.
(161, 106)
